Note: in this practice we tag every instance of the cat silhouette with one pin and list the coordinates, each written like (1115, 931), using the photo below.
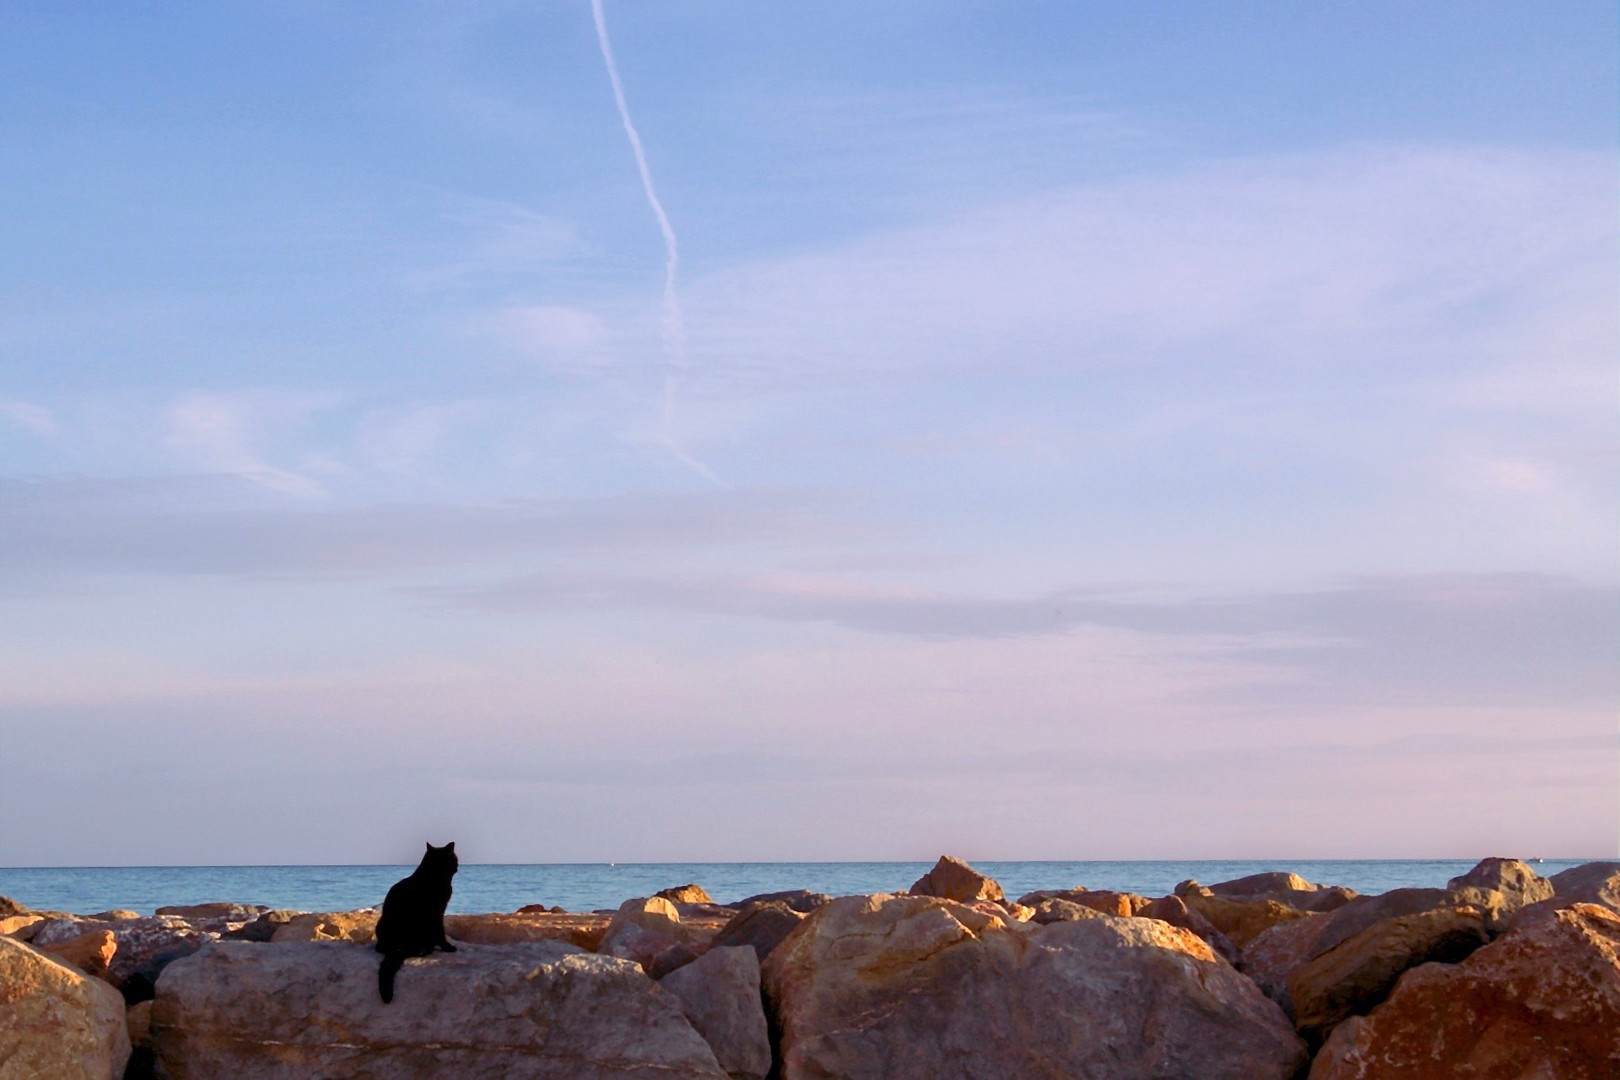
(412, 920)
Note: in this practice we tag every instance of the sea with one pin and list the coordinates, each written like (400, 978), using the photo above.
(483, 887)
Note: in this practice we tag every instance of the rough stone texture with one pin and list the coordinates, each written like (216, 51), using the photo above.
(1284, 888)
(91, 952)
(1174, 910)
(686, 894)
(1054, 909)
(145, 947)
(585, 931)
(1352, 919)
(115, 914)
(1357, 974)
(903, 987)
(1106, 901)
(1509, 876)
(1240, 920)
(762, 924)
(649, 931)
(20, 927)
(359, 927)
(1542, 1002)
(719, 992)
(1273, 955)
(264, 927)
(1593, 883)
(954, 879)
(10, 908)
(208, 912)
(801, 900)
(513, 1012)
(57, 1023)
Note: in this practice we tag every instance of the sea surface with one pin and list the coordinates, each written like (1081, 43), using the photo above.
(592, 886)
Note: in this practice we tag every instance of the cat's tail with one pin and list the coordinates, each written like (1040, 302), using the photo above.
(391, 964)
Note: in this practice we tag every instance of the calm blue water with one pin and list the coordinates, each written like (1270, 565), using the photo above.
(585, 887)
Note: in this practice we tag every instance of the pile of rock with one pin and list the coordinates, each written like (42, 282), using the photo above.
(1500, 973)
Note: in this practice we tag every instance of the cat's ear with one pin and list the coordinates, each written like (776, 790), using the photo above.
(430, 847)
(451, 846)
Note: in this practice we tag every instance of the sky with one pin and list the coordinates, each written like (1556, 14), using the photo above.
(1075, 431)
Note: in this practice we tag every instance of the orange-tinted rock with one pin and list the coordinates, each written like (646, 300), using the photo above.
(1511, 877)
(20, 927)
(919, 988)
(1174, 910)
(90, 952)
(1357, 974)
(953, 879)
(1285, 888)
(686, 894)
(1593, 883)
(1273, 955)
(582, 930)
(1541, 1001)
(57, 1023)
(1055, 909)
(359, 927)
(10, 908)
(1240, 920)
(1106, 901)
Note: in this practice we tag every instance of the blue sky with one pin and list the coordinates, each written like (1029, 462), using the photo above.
(1100, 431)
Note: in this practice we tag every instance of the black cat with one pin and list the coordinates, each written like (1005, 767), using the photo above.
(412, 921)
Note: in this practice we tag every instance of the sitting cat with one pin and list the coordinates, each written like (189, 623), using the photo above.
(412, 921)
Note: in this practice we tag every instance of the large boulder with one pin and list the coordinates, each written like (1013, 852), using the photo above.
(1511, 877)
(514, 1012)
(1240, 920)
(91, 952)
(10, 908)
(902, 987)
(762, 925)
(1273, 955)
(1285, 888)
(690, 893)
(143, 946)
(1107, 901)
(1174, 910)
(954, 879)
(1543, 1000)
(1592, 883)
(1353, 918)
(585, 931)
(357, 927)
(20, 927)
(801, 900)
(1359, 973)
(57, 1022)
(719, 993)
(649, 931)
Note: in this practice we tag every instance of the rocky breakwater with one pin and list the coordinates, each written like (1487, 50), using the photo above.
(1499, 973)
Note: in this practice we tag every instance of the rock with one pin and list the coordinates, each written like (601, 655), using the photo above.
(1594, 883)
(801, 900)
(57, 1022)
(649, 931)
(695, 914)
(1284, 888)
(20, 927)
(264, 927)
(91, 952)
(10, 908)
(584, 931)
(1543, 1000)
(762, 924)
(1174, 910)
(1240, 920)
(359, 927)
(515, 1012)
(1357, 974)
(954, 879)
(1054, 909)
(903, 987)
(1273, 955)
(115, 915)
(719, 993)
(145, 946)
(1106, 901)
(138, 1018)
(1510, 877)
(224, 912)
(1353, 918)
(685, 894)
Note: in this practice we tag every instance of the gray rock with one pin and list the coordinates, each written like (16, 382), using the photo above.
(540, 1011)
(1362, 913)
(800, 900)
(719, 992)
(1514, 879)
(919, 988)
(761, 924)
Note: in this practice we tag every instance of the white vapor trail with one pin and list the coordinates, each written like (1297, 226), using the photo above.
(674, 322)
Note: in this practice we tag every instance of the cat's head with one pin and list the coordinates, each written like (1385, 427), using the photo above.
(441, 859)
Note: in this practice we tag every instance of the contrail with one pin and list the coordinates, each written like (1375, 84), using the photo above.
(674, 323)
